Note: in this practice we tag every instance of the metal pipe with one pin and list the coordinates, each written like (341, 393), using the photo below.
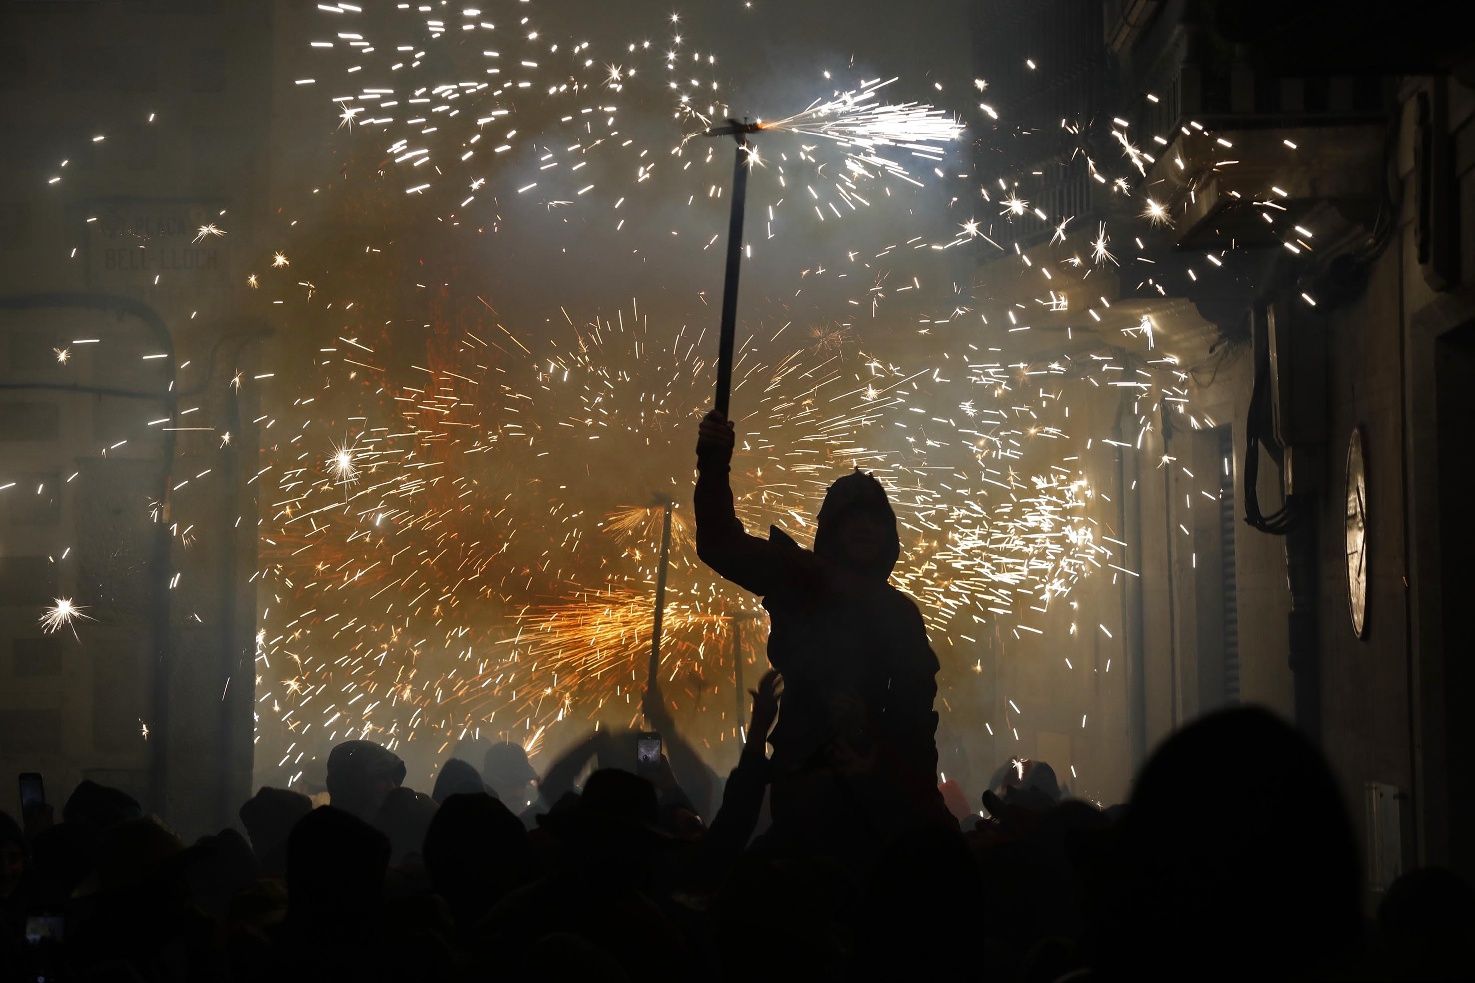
(655, 639)
(727, 340)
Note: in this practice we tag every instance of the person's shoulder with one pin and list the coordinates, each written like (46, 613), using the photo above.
(785, 542)
(907, 621)
(799, 558)
(902, 601)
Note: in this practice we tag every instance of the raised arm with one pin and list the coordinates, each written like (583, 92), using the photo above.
(722, 543)
(742, 798)
(691, 773)
(561, 775)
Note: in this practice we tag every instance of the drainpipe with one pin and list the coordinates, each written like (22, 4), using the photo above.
(1288, 411)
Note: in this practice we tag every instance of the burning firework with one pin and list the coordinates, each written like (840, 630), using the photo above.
(63, 613)
(550, 109)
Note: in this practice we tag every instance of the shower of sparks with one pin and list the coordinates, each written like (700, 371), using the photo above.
(533, 743)
(1136, 157)
(642, 525)
(63, 613)
(341, 465)
(448, 541)
(1014, 206)
(590, 642)
(390, 589)
(1100, 253)
(830, 338)
(869, 131)
(1146, 329)
(493, 113)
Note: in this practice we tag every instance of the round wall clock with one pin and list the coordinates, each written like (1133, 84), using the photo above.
(1356, 534)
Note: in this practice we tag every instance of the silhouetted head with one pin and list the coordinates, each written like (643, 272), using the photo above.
(1039, 776)
(621, 797)
(1022, 785)
(404, 817)
(216, 868)
(360, 774)
(614, 820)
(456, 778)
(856, 526)
(99, 807)
(129, 853)
(1427, 924)
(476, 851)
(507, 770)
(269, 816)
(335, 866)
(1238, 844)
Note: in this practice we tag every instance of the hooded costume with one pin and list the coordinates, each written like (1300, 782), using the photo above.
(853, 650)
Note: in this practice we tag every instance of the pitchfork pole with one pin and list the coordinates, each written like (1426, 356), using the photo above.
(739, 132)
(653, 671)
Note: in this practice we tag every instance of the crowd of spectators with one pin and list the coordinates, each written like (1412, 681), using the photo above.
(1233, 859)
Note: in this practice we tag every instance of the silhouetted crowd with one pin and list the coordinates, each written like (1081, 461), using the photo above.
(1234, 859)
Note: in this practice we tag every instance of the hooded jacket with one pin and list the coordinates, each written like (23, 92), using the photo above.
(852, 648)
